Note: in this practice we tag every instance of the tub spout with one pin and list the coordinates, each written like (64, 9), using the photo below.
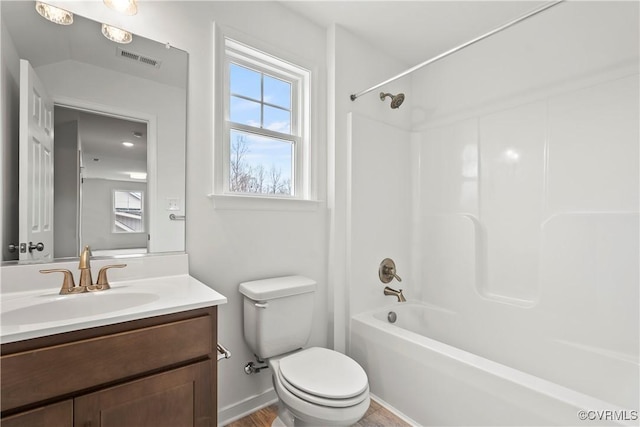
(398, 293)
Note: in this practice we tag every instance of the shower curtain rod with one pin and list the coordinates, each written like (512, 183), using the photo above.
(457, 48)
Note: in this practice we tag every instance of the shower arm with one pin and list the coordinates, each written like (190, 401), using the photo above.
(355, 96)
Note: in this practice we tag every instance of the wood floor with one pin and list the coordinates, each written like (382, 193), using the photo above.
(376, 416)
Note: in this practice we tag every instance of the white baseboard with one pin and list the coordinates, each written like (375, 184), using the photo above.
(393, 410)
(245, 407)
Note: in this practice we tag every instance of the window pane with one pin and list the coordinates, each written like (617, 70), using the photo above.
(258, 164)
(277, 92)
(128, 209)
(277, 119)
(245, 82)
(245, 112)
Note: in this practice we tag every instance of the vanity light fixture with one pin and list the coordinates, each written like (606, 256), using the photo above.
(54, 14)
(127, 7)
(127, 144)
(116, 34)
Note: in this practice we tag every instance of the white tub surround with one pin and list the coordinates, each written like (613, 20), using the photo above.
(514, 214)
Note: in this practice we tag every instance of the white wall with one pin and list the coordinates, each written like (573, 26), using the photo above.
(65, 181)
(529, 194)
(227, 247)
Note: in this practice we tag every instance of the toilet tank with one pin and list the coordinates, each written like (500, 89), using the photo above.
(278, 314)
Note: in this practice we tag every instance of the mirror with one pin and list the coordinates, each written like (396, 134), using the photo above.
(104, 94)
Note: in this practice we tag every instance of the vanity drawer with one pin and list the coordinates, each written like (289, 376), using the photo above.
(74, 366)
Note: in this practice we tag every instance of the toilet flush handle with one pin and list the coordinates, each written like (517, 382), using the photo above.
(262, 304)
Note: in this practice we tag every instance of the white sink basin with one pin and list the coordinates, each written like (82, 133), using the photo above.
(37, 313)
(74, 306)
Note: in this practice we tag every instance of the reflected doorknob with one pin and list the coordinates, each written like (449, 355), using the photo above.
(12, 247)
(38, 247)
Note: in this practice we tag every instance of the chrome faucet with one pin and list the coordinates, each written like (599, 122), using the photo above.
(86, 282)
(395, 293)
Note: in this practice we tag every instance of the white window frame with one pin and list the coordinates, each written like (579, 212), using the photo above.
(299, 78)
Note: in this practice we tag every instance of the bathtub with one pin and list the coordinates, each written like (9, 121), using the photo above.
(430, 382)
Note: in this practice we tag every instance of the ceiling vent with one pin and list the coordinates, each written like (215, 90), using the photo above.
(126, 54)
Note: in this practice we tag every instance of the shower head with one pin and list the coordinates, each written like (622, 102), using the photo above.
(396, 100)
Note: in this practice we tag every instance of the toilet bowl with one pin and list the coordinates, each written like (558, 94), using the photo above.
(321, 387)
(316, 386)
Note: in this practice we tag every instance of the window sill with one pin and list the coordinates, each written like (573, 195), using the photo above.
(257, 203)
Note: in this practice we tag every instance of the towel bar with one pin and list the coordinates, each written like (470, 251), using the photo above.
(223, 353)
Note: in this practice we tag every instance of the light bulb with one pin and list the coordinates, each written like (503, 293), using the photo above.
(116, 34)
(128, 7)
(54, 14)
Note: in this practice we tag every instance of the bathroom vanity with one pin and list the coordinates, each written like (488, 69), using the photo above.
(141, 353)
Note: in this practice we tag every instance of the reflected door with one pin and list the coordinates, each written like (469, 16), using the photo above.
(36, 167)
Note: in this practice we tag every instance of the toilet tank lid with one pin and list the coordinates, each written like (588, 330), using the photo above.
(277, 287)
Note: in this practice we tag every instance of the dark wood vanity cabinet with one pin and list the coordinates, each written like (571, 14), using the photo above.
(158, 371)
(56, 415)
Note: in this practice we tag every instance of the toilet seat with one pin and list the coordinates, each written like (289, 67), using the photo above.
(323, 377)
(327, 412)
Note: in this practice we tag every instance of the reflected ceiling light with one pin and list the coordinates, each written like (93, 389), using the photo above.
(128, 7)
(116, 34)
(128, 144)
(510, 155)
(54, 14)
(138, 175)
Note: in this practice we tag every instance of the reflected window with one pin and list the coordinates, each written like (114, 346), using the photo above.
(128, 210)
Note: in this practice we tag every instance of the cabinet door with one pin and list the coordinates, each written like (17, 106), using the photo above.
(176, 398)
(56, 415)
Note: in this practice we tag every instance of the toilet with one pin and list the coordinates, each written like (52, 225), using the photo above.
(315, 386)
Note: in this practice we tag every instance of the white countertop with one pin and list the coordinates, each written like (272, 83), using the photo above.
(41, 312)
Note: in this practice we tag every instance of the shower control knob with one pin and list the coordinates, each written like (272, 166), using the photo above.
(387, 271)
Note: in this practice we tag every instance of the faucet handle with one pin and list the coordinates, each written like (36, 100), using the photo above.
(103, 282)
(68, 284)
(387, 271)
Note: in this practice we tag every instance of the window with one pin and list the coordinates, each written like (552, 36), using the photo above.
(128, 209)
(266, 132)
